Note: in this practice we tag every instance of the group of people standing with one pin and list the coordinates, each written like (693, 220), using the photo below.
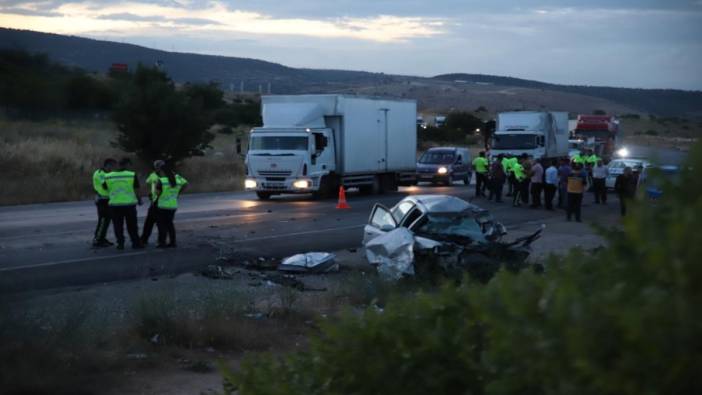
(566, 181)
(116, 186)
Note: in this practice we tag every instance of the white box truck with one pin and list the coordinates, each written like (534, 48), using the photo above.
(315, 143)
(540, 134)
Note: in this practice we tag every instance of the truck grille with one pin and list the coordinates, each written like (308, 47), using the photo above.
(275, 173)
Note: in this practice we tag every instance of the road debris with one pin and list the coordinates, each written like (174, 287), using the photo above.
(311, 262)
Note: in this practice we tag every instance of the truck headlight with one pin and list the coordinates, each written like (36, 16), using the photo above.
(442, 170)
(301, 184)
(623, 152)
(250, 184)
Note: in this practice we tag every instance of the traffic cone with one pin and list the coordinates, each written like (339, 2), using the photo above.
(342, 199)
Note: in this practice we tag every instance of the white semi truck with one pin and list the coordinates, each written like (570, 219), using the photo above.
(540, 134)
(315, 143)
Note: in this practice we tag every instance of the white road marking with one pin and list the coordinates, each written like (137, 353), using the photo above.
(87, 259)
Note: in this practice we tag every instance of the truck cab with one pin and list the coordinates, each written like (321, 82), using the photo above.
(538, 134)
(288, 160)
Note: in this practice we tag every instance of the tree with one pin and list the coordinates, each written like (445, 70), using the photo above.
(463, 121)
(156, 121)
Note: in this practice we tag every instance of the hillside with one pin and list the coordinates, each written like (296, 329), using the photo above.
(444, 91)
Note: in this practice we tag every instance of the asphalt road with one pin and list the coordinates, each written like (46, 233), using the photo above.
(48, 245)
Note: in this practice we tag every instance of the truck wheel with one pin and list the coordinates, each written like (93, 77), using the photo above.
(389, 183)
(263, 195)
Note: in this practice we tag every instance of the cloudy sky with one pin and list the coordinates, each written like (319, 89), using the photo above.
(644, 43)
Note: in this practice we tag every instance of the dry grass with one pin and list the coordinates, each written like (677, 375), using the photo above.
(49, 161)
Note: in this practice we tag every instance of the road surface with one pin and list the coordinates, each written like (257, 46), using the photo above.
(49, 245)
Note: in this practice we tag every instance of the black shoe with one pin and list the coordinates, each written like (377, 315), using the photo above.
(137, 246)
(120, 246)
(171, 245)
(100, 244)
(107, 242)
(159, 245)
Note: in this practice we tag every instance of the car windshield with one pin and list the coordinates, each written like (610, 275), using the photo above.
(620, 164)
(437, 158)
(514, 141)
(451, 226)
(279, 143)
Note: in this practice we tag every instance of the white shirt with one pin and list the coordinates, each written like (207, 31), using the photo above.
(600, 172)
(537, 173)
(552, 175)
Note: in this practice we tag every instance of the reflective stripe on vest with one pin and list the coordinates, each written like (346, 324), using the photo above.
(120, 185)
(169, 194)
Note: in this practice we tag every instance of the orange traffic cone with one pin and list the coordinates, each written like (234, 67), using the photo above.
(342, 199)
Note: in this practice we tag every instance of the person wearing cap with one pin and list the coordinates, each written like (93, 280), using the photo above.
(151, 215)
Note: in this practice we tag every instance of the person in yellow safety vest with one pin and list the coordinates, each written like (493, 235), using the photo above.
(102, 197)
(579, 159)
(122, 186)
(508, 166)
(519, 177)
(151, 215)
(480, 164)
(169, 187)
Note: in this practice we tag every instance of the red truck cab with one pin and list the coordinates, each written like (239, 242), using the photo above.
(601, 131)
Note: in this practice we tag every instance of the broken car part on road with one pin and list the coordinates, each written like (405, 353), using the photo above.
(429, 235)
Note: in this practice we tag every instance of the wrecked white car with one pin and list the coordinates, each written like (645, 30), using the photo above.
(429, 235)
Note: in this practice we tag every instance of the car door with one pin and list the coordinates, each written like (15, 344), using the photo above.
(380, 222)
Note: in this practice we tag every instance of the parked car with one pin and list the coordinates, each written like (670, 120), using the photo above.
(616, 167)
(445, 165)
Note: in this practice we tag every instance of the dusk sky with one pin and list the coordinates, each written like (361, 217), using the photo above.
(645, 43)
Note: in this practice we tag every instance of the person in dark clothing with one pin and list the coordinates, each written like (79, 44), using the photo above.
(537, 183)
(577, 183)
(625, 186)
(497, 179)
(599, 178)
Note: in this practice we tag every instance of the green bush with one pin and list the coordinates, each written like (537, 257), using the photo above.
(620, 320)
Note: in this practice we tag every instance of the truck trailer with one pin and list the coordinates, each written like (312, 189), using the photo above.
(316, 143)
(540, 134)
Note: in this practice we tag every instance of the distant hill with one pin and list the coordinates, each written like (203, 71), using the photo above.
(230, 72)
(656, 101)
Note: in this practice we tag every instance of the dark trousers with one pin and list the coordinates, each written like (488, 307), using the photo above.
(549, 193)
(536, 188)
(600, 190)
(575, 201)
(496, 190)
(622, 204)
(166, 229)
(128, 214)
(562, 195)
(149, 223)
(103, 212)
(480, 183)
(521, 192)
(524, 190)
(510, 184)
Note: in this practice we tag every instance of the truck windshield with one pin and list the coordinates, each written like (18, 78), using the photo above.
(437, 158)
(514, 141)
(279, 143)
